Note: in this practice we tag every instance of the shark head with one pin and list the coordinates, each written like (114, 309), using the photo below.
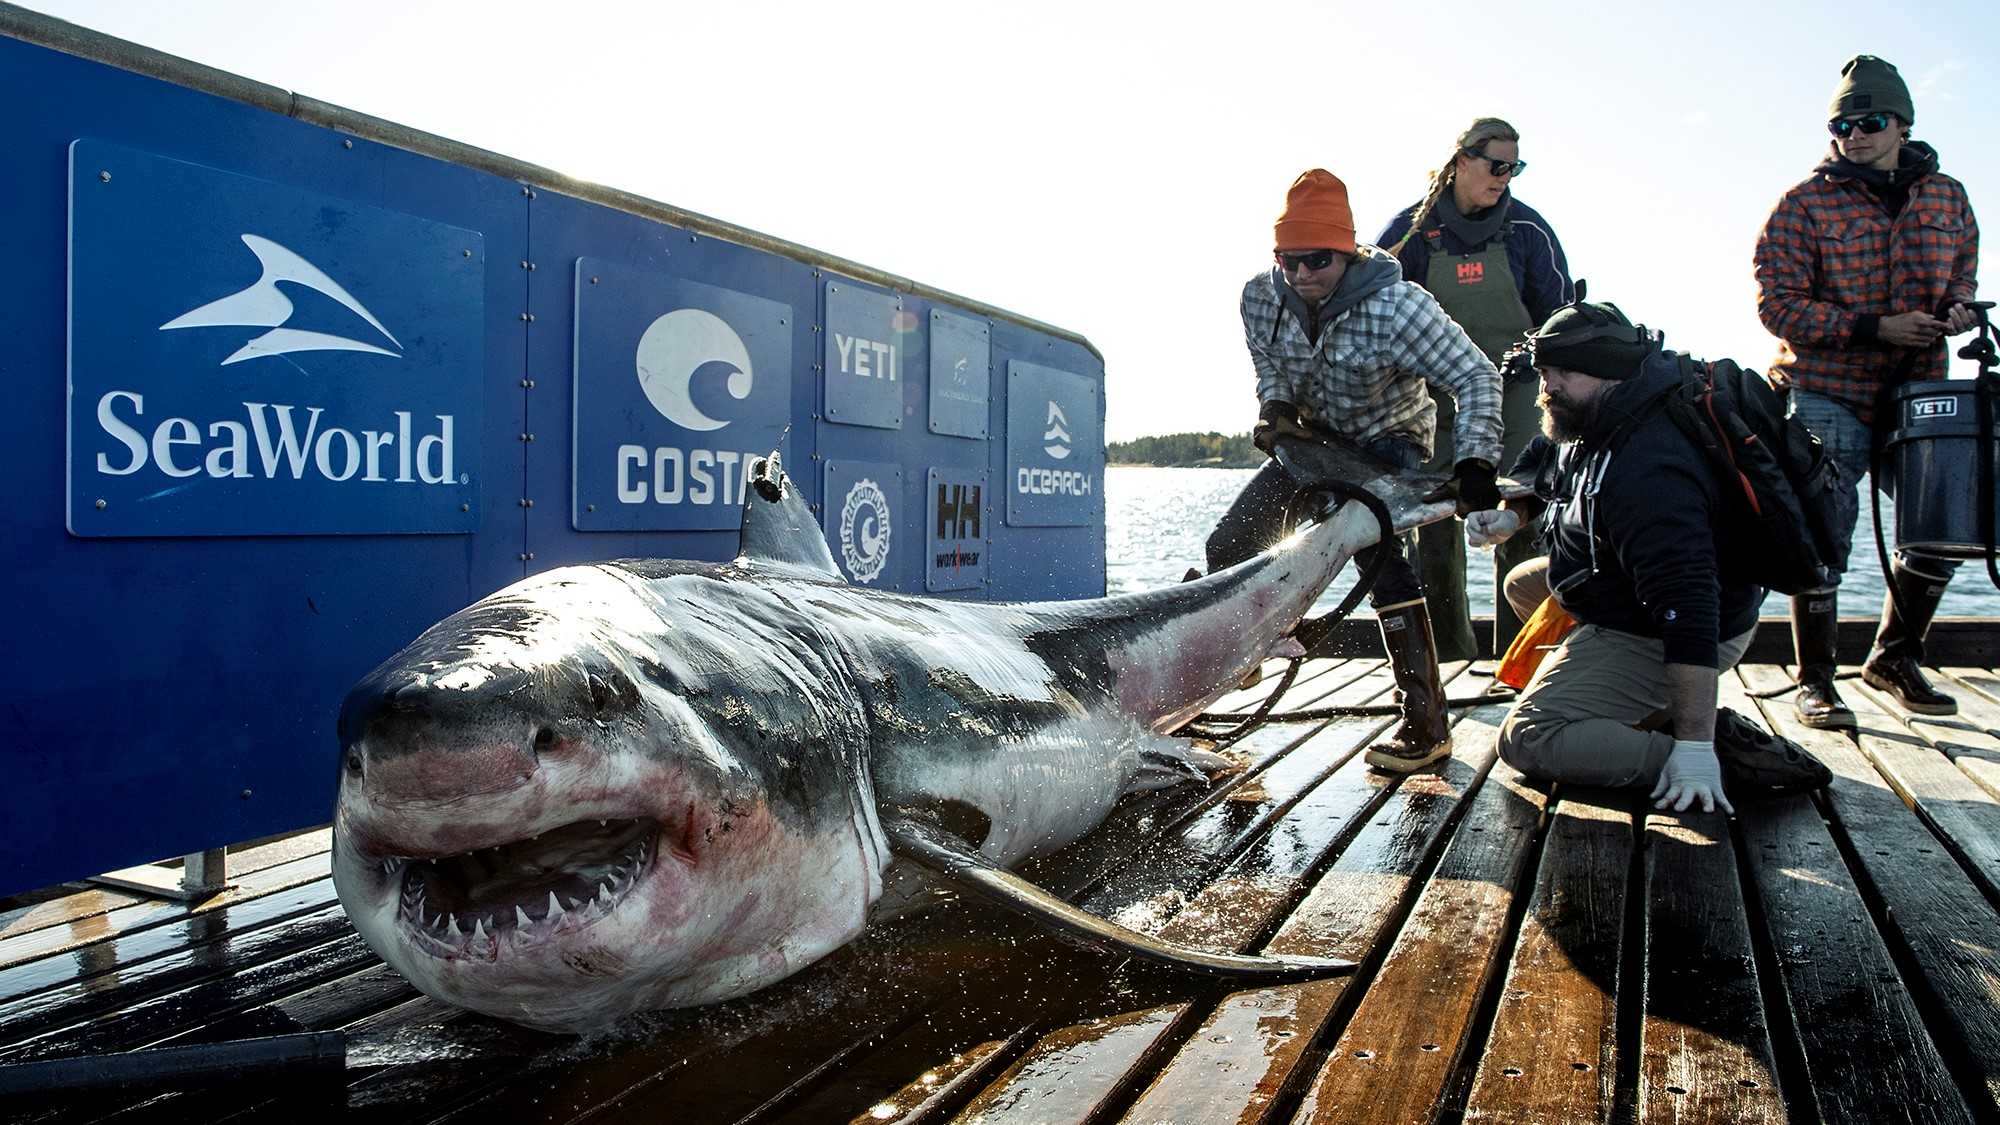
(606, 789)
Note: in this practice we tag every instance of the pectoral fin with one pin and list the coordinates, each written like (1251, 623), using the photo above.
(963, 867)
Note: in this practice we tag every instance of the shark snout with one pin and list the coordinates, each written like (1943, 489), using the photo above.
(418, 739)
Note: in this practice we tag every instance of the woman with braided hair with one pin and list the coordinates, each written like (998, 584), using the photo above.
(1495, 266)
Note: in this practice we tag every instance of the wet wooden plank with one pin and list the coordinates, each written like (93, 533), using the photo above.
(1704, 1048)
(1964, 815)
(84, 901)
(1551, 1054)
(1867, 1054)
(929, 1095)
(1062, 1078)
(125, 924)
(1395, 1059)
(1933, 911)
(246, 984)
(1245, 1058)
(1972, 737)
(1156, 881)
(201, 957)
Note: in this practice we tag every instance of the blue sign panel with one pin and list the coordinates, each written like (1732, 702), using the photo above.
(860, 514)
(864, 357)
(959, 538)
(679, 386)
(1055, 452)
(961, 374)
(249, 358)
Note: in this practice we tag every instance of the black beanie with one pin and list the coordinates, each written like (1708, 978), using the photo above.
(1868, 85)
(1596, 339)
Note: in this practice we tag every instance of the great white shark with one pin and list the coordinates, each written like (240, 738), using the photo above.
(649, 783)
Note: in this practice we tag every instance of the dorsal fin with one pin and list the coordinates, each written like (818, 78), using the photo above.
(778, 526)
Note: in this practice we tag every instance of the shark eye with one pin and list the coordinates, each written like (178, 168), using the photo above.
(352, 761)
(545, 741)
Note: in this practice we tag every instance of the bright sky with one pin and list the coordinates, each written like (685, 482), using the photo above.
(1114, 168)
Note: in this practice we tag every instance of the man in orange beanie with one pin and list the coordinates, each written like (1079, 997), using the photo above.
(1342, 343)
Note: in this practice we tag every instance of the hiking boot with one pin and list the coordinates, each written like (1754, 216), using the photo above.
(1424, 735)
(1815, 628)
(1757, 764)
(1896, 664)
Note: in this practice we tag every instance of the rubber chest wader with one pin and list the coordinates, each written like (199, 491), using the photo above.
(1477, 291)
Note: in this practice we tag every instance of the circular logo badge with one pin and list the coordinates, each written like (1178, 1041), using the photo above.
(864, 531)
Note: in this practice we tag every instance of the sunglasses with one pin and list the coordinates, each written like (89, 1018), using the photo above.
(1499, 168)
(1844, 127)
(1311, 259)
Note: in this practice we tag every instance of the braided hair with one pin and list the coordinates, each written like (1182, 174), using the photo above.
(1473, 139)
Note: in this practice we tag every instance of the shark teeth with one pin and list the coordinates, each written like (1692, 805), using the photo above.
(439, 907)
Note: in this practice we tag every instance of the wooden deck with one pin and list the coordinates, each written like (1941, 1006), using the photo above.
(1526, 955)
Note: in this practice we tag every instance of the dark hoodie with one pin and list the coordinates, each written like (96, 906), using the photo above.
(1650, 529)
(1915, 161)
(1372, 271)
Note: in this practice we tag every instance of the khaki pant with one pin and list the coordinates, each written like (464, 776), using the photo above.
(1588, 716)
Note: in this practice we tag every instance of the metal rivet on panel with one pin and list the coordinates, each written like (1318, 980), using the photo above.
(528, 383)
(468, 253)
(524, 316)
(593, 281)
(531, 318)
(100, 505)
(531, 267)
(590, 507)
(524, 437)
(690, 238)
(531, 437)
(524, 263)
(105, 176)
(525, 191)
(347, 144)
(527, 503)
(465, 507)
(245, 794)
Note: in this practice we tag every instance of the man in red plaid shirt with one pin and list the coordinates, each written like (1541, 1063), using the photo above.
(1862, 271)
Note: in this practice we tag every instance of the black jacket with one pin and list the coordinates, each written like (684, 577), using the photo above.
(1631, 526)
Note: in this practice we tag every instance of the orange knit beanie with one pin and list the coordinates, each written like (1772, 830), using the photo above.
(1316, 215)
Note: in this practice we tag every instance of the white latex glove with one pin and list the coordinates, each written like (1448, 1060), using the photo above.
(1692, 773)
(1483, 529)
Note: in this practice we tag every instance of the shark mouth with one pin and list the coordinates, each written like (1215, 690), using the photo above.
(526, 891)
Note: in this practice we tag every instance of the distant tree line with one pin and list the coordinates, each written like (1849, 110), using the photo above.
(1223, 451)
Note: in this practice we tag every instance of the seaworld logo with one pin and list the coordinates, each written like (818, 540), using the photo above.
(263, 305)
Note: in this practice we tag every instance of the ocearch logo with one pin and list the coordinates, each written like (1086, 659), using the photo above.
(263, 305)
(1057, 435)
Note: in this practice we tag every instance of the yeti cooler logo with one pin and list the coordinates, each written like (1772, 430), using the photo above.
(680, 386)
(247, 358)
(1945, 407)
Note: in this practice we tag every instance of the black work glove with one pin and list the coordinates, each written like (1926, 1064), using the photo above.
(1517, 364)
(1276, 419)
(1472, 482)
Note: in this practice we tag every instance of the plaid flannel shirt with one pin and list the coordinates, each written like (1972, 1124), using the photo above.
(1365, 377)
(1831, 253)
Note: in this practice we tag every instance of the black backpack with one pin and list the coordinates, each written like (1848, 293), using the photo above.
(1783, 496)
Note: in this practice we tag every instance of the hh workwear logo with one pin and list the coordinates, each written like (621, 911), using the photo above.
(1057, 435)
(1471, 273)
(677, 346)
(263, 305)
(864, 531)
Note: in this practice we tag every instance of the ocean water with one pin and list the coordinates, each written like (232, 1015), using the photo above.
(1157, 519)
